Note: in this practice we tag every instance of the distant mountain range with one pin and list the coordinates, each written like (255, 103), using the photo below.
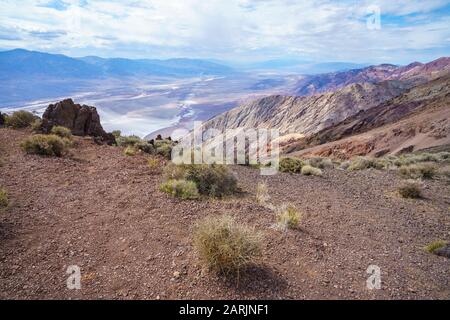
(412, 74)
(332, 106)
(23, 63)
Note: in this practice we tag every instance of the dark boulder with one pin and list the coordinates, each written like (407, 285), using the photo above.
(2, 120)
(82, 120)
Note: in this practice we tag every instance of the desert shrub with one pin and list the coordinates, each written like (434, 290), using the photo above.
(345, 165)
(49, 145)
(212, 180)
(433, 246)
(62, 132)
(416, 171)
(225, 246)
(410, 190)
(145, 147)
(444, 156)
(181, 189)
(130, 151)
(176, 172)
(291, 165)
(20, 119)
(3, 198)
(311, 171)
(154, 164)
(164, 148)
(116, 134)
(262, 193)
(320, 163)
(36, 126)
(289, 217)
(362, 163)
(126, 141)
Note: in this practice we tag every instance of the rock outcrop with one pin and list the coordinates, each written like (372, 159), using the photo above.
(82, 120)
(2, 120)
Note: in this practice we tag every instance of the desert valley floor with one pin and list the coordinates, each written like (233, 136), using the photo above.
(103, 211)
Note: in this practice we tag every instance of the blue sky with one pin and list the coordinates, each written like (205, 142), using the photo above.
(231, 30)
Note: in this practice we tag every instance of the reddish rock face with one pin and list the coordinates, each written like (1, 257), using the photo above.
(82, 120)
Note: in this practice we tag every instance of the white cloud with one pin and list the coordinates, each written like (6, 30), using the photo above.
(232, 29)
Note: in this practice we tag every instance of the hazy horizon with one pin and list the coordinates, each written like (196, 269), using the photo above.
(239, 31)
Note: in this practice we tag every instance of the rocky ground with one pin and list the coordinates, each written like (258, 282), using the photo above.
(103, 211)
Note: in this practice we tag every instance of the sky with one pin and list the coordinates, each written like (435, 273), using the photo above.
(375, 31)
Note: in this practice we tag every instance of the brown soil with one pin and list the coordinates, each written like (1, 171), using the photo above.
(102, 211)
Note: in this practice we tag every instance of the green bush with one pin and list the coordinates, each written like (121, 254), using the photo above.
(225, 246)
(311, 171)
(416, 171)
(49, 145)
(145, 147)
(116, 134)
(211, 180)
(410, 190)
(126, 141)
(36, 126)
(291, 165)
(62, 132)
(164, 148)
(20, 119)
(3, 198)
(183, 189)
(289, 217)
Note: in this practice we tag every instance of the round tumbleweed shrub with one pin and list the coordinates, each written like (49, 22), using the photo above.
(410, 190)
(48, 145)
(311, 171)
(225, 246)
(211, 180)
(291, 165)
(62, 132)
(186, 190)
(20, 119)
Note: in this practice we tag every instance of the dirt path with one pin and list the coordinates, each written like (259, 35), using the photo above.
(103, 212)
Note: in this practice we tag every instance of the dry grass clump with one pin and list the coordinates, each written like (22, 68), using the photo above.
(186, 190)
(130, 151)
(48, 145)
(3, 198)
(320, 163)
(435, 245)
(20, 119)
(226, 246)
(416, 171)
(291, 165)
(62, 132)
(289, 217)
(262, 194)
(154, 164)
(363, 163)
(211, 180)
(311, 171)
(410, 191)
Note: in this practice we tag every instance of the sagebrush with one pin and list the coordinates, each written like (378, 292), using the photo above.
(226, 246)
